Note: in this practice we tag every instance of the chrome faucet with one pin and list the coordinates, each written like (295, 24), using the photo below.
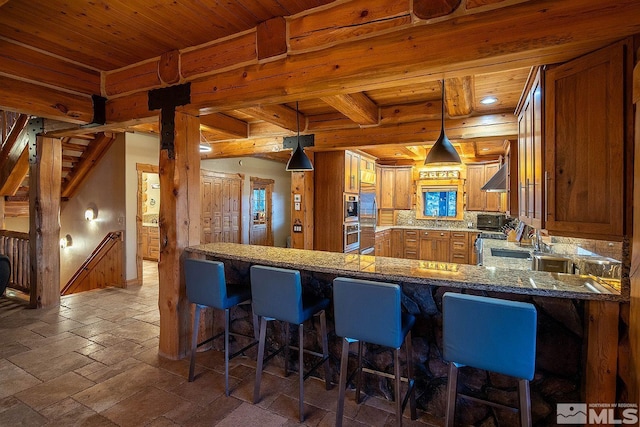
(537, 246)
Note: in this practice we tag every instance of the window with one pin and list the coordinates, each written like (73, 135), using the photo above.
(439, 199)
(440, 202)
(259, 205)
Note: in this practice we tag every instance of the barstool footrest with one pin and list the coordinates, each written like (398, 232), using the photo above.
(243, 349)
(383, 374)
(316, 366)
(489, 402)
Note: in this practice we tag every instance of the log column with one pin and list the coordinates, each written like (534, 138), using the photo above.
(634, 274)
(179, 171)
(45, 180)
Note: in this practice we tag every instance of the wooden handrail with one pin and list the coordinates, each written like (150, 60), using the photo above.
(78, 281)
(15, 245)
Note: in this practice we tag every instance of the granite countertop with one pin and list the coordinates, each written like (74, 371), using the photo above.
(517, 281)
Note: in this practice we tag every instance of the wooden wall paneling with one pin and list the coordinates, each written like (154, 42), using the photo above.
(179, 227)
(140, 237)
(45, 178)
(302, 183)
(602, 351)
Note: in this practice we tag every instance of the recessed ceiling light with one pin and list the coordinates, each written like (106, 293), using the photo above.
(485, 149)
(487, 100)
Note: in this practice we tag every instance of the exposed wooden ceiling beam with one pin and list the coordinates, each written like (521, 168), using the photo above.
(225, 124)
(356, 106)
(511, 37)
(459, 96)
(415, 133)
(280, 115)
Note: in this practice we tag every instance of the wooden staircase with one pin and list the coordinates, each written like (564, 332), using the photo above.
(80, 154)
(103, 268)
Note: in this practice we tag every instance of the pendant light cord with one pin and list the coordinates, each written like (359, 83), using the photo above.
(442, 116)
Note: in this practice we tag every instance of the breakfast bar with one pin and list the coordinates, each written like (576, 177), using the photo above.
(577, 343)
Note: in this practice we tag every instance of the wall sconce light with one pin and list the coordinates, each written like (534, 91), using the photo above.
(90, 214)
(66, 241)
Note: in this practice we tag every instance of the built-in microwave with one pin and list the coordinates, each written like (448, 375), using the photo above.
(351, 208)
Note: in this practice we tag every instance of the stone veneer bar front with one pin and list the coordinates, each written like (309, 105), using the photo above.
(560, 299)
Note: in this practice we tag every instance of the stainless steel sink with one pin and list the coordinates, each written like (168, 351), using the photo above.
(549, 262)
(510, 253)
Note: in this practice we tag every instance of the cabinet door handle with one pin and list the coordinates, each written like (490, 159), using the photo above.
(546, 196)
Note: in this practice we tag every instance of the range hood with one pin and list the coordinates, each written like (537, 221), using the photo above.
(498, 182)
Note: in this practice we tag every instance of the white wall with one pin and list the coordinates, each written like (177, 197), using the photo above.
(140, 148)
(104, 189)
(260, 168)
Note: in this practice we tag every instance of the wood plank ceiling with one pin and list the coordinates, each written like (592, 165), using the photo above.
(396, 121)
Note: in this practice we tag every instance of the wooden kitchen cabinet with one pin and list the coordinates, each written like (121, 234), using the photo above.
(411, 244)
(351, 172)
(395, 187)
(477, 200)
(459, 247)
(585, 138)
(434, 245)
(397, 243)
(383, 243)
(150, 237)
(335, 173)
(531, 191)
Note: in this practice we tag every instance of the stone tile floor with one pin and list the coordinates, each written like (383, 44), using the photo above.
(93, 362)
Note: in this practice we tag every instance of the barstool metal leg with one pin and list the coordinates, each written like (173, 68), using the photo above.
(256, 326)
(359, 372)
(398, 391)
(260, 361)
(325, 350)
(452, 387)
(194, 341)
(412, 390)
(301, 370)
(344, 364)
(287, 329)
(226, 352)
(525, 403)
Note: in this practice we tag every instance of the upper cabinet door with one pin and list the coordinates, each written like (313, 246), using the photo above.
(585, 140)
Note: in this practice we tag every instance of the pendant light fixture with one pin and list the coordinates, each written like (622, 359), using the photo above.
(299, 162)
(442, 151)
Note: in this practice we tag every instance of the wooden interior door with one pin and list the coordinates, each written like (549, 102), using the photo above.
(260, 232)
(221, 196)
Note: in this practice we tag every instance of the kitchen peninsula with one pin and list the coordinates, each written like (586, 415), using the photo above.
(565, 304)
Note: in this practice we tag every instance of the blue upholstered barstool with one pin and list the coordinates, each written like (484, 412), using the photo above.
(207, 287)
(491, 334)
(277, 295)
(371, 312)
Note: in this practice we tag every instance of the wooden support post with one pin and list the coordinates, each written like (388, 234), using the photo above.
(634, 274)
(302, 184)
(179, 228)
(45, 181)
(602, 351)
(2, 212)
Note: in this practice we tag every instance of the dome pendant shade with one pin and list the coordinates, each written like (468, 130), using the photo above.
(299, 162)
(442, 151)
